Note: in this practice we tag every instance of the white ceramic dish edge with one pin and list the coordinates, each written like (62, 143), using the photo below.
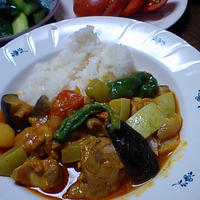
(181, 63)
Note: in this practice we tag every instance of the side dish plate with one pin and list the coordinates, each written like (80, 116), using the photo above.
(173, 62)
(164, 17)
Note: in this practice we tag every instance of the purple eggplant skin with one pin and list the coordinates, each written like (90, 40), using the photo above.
(134, 152)
(41, 107)
(9, 104)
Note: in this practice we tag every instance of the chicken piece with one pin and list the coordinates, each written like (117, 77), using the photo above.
(101, 170)
(94, 124)
(37, 141)
(96, 127)
(45, 174)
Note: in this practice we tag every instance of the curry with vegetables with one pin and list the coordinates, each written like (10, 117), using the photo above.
(113, 138)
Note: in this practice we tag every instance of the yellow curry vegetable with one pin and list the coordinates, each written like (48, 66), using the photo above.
(147, 120)
(12, 159)
(121, 107)
(166, 103)
(71, 153)
(7, 135)
(168, 145)
(98, 90)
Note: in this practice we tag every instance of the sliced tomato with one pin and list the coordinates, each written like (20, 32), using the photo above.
(115, 7)
(66, 102)
(152, 5)
(99, 7)
(90, 7)
(133, 7)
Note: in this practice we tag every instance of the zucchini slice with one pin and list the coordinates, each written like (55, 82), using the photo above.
(147, 120)
(166, 103)
(12, 159)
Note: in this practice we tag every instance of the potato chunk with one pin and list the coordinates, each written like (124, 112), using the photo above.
(7, 135)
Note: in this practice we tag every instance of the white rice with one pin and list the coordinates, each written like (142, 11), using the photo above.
(85, 57)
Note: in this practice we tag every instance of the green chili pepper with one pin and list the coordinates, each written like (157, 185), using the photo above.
(149, 88)
(141, 84)
(76, 119)
(125, 87)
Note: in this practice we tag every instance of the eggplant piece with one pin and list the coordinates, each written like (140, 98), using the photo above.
(15, 111)
(41, 107)
(134, 152)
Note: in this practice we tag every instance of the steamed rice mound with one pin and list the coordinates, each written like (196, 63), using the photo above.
(84, 58)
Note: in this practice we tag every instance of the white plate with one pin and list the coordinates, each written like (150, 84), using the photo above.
(173, 62)
(164, 17)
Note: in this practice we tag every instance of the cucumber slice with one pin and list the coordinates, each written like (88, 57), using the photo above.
(7, 11)
(20, 24)
(31, 7)
(39, 15)
(19, 4)
(26, 7)
(5, 28)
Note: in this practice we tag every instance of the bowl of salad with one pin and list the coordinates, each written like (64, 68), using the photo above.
(20, 16)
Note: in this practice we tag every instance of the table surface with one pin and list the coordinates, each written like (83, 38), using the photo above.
(188, 27)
